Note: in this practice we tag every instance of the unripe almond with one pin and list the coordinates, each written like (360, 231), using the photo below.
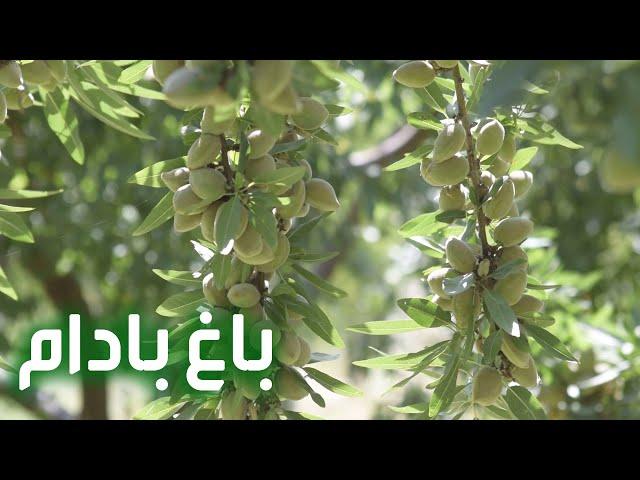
(526, 377)
(460, 256)
(512, 231)
(311, 116)
(445, 304)
(516, 356)
(303, 212)
(446, 63)
(321, 195)
(259, 166)
(249, 243)
(11, 74)
(297, 196)
(163, 68)
(234, 406)
(487, 386)
(527, 304)
(449, 172)
(270, 77)
(498, 205)
(436, 278)
(186, 202)
(36, 72)
(186, 223)
(208, 221)
(466, 308)
(512, 287)
(513, 211)
(286, 103)
(452, 198)
(261, 143)
(176, 178)
(449, 141)
(508, 150)
(522, 181)
(187, 88)
(252, 315)
(243, 222)
(303, 163)
(207, 183)
(3, 108)
(288, 349)
(203, 151)
(215, 297)
(490, 137)
(305, 353)
(266, 255)
(255, 333)
(58, 69)
(281, 254)
(499, 167)
(18, 99)
(288, 384)
(416, 74)
(484, 267)
(247, 385)
(243, 295)
(212, 126)
(487, 178)
(235, 274)
(508, 254)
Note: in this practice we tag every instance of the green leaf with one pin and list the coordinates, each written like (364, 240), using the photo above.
(386, 327)
(313, 257)
(523, 157)
(332, 384)
(406, 361)
(162, 212)
(424, 312)
(63, 122)
(337, 110)
(150, 176)
(410, 159)
(327, 68)
(25, 194)
(288, 147)
(422, 225)
(221, 267)
(11, 208)
(286, 176)
(12, 226)
(134, 72)
(543, 133)
(316, 320)
(320, 283)
(6, 288)
(524, 405)
(178, 277)
(501, 313)
(6, 366)
(504, 270)
(304, 228)
(424, 121)
(444, 392)
(550, 343)
(181, 304)
(459, 284)
(324, 136)
(491, 347)
(228, 222)
(261, 218)
(160, 409)
(291, 415)
(414, 408)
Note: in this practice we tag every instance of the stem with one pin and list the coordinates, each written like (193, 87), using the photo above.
(474, 162)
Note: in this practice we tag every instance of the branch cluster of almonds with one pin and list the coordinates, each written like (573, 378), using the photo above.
(451, 166)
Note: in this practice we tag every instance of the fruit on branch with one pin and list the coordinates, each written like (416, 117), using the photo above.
(436, 278)
(255, 334)
(207, 222)
(260, 143)
(512, 231)
(448, 142)
(445, 304)
(509, 254)
(499, 205)
(466, 307)
(247, 385)
(487, 386)
(311, 116)
(242, 224)
(280, 255)
(3, 108)
(518, 357)
(499, 167)
(416, 74)
(528, 376)
(18, 99)
(233, 406)
(249, 243)
(259, 166)
(176, 178)
(203, 151)
(288, 349)
(163, 68)
(243, 295)
(186, 202)
(451, 171)
(11, 74)
(487, 178)
(58, 69)
(207, 183)
(305, 353)
(513, 211)
(297, 195)
(270, 77)
(36, 72)
(452, 198)
(321, 195)
(216, 297)
(527, 304)
(289, 385)
(512, 287)
(490, 136)
(186, 223)
(508, 151)
(215, 126)
(286, 103)
(484, 267)
(186, 88)
(522, 181)
(446, 63)
(460, 256)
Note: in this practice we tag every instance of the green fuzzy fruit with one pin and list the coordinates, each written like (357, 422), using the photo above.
(487, 386)
(512, 231)
(512, 287)
(186, 88)
(416, 74)
(445, 304)
(309, 172)
(255, 334)
(36, 72)
(234, 406)
(58, 69)
(259, 166)
(311, 116)
(509, 254)
(449, 172)
(207, 183)
(528, 376)
(247, 385)
(297, 194)
(252, 315)
(516, 356)
(266, 255)
(508, 150)
(188, 203)
(210, 125)
(242, 223)
(436, 278)
(466, 308)
(249, 244)
(281, 254)
(18, 99)
(235, 273)
(527, 304)
(3, 108)
(203, 64)
(522, 181)
(490, 137)
(176, 178)
(289, 385)
(186, 223)
(460, 256)
(305, 353)
(261, 143)
(484, 267)
(215, 297)
(270, 77)
(446, 63)
(203, 151)
(499, 167)
(243, 295)
(498, 205)
(208, 221)
(487, 178)
(286, 103)
(163, 68)
(618, 172)
(294, 319)
(11, 74)
(452, 198)
(321, 195)
(304, 211)
(288, 349)
(450, 141)
(513, 211)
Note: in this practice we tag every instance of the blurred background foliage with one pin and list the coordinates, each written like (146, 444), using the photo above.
(587, 239)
